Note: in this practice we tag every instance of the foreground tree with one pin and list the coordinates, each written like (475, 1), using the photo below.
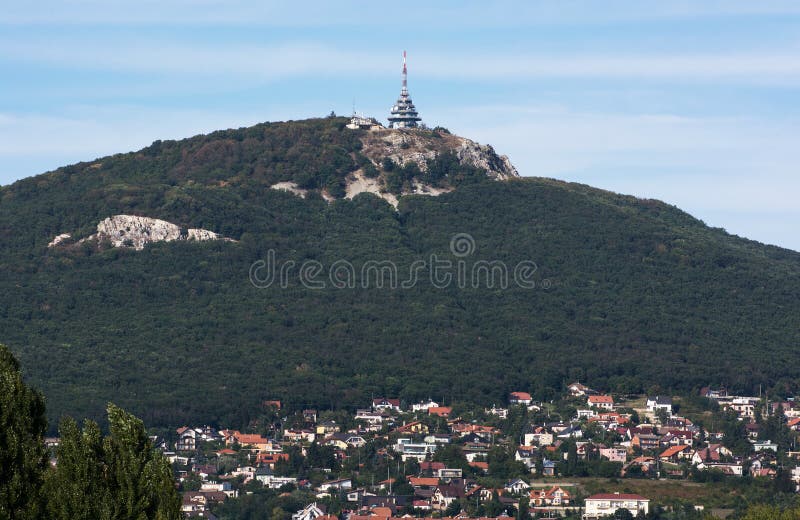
(120, 477)
(23, 457)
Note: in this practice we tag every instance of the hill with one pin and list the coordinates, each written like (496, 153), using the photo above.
(621, 293)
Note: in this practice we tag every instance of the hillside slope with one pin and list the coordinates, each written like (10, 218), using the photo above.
(628, 294)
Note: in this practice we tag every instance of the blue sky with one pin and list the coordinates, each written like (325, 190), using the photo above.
(694, 103)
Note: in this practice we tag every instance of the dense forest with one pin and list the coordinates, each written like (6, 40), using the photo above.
(627, 294)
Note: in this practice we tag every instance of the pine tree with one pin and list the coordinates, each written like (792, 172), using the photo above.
(23, 457)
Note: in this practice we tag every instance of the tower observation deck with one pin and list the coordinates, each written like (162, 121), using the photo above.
(404, 114)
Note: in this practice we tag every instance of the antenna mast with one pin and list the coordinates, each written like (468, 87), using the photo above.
(405, 72)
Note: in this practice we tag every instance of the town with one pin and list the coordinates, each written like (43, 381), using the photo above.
(519, 459)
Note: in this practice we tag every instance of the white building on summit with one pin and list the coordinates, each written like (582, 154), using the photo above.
(404, 114)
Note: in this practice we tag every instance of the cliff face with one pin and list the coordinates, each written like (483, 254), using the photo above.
(136, 232)
(403, 146)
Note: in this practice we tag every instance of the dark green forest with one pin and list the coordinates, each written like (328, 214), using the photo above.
(629, 295)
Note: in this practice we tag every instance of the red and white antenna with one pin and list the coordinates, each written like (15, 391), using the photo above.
(405, 72)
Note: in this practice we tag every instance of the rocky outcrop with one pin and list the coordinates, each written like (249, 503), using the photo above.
(59, 239)
(359, 183)
(136, 232)
(291, 187)
(403, 146)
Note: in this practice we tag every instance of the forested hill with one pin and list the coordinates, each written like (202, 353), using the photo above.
(620, 293)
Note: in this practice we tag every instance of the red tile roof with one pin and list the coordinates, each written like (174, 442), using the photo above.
(441, 411)
(673, 450)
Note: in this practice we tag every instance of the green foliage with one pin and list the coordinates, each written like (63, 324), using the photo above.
(770, 512)
(77, 487)
(120, 477)
(629, 293)
(23, 458)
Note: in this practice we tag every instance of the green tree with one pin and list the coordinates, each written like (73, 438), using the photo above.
(140, 480)
(76, 487)
(523, 513)
(23, 457)
(119, 477)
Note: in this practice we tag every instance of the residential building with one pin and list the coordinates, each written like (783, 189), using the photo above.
(605, 504)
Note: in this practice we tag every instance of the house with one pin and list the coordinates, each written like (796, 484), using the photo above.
(712, 393)
(517, 486)
(370, 417)
(578, 390)
(341, 484)
(223, 487)
(345, 440)
(299, 435)
(412, 427)
(265, 476)
(540, 437)
(646, 441)
(794, 424)
(444, 495)
(520, 398)
(430, 466)
(384, 404)
(659, 403)
(744, 406)
(526, 455)
(327, 428)
(765, 445)
(310, 416)
(548, 468)
(441, 411)
(728, 468)
(606, 402)
(187, 439)
(411, 450)
(555, 496)
(423, 482)
(475, 451)
(710, 454)
(502, 413)
(253, 441)
(673, 453)
(614, 454)
(311, 512)
(447, 473)
(424, 405)
(606, 504)
(572, 432)
(438, 438)
(483, 466)
(271, 459)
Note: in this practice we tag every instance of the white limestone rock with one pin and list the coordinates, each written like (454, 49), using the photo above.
(291, 187)
(403, 146)
(59, 239)
(135, 232)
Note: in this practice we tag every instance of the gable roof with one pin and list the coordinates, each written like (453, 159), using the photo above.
(673, 450)
(601, 399)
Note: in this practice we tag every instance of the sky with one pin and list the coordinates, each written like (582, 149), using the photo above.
(693, 103)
